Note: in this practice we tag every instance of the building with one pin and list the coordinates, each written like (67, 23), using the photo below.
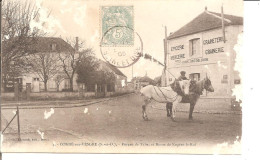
(52, 46)
(140, 82)
(121, 79)
(202, 48)
(52, 51)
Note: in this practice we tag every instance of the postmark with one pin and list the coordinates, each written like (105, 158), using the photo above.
(117, 16)
(121, 56)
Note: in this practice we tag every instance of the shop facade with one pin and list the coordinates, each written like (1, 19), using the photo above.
(204, 48)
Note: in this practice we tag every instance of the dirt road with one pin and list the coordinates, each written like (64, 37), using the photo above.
(117, 126)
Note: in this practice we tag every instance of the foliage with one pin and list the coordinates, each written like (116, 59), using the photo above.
(17, 35)
(90, 72)
(70, 60)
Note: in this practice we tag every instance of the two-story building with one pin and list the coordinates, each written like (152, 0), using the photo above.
(204, 47)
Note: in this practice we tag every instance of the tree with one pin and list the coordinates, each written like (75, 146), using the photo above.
(70, 60)
(17, 35)
(89, 72)
(45, 65)
(58, 79)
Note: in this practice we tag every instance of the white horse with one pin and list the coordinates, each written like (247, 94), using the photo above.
(163, 95)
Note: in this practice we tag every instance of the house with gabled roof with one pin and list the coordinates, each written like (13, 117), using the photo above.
(205, 46)
(55, 47)
(121, 79)
(140, 82)
(51, 46)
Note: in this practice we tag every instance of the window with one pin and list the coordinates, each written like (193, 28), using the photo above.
(194, 47)
(237, 81)
(224, 79)
(36, 79)
(53, 47)
(194, 76)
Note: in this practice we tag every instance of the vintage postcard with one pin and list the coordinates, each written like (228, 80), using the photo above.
(121, 76)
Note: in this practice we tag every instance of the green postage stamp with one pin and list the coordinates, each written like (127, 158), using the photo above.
(117, 24)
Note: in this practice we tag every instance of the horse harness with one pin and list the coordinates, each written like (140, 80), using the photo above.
(165, 97)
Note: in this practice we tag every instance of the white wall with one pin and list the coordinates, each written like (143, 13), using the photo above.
(215, 65)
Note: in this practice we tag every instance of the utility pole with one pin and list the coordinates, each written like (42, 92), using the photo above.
(132, 71)
(165, 55)
(223, 24)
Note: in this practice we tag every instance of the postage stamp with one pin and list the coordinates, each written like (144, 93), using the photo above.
(121, 16)
(121, 56)
(120, 45)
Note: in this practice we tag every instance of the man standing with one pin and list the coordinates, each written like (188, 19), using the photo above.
(169, 105)
(182, 76)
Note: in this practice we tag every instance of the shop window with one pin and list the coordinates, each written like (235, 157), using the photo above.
(194, 45)
(36, 79)
(194, 76)
(224, 79)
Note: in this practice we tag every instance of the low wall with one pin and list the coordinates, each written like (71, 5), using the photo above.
(50, 95)
(59, 95)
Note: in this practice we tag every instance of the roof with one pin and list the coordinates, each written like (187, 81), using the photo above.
(41, 44)
(113, 68)
(206, 21)
(144, 79)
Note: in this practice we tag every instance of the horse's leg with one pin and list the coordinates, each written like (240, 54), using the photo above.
(193, 100)
(174, 107)
(146, 102)
(191, 110)
(169, 109)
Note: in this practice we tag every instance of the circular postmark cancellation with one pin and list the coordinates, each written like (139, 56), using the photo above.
(121, 46)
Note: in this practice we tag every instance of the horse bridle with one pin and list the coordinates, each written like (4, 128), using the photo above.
(206, 84)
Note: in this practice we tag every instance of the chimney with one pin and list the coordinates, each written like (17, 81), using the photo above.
(77, 44)
(206, 8)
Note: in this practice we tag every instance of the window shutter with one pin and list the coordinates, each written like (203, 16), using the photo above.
(190, 47)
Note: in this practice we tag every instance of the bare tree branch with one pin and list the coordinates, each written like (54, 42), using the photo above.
(17, 35)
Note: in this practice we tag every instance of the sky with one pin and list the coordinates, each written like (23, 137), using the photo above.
(81, 18)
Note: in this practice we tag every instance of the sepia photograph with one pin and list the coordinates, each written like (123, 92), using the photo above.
(122, 76)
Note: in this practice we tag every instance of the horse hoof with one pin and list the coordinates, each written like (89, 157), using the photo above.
(190, 118)
(168, 115)
(145, 118)
(173, 119)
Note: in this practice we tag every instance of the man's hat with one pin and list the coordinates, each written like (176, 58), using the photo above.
(183, 72)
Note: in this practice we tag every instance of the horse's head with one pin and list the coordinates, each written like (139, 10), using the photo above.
(185, 85)
(207, 85)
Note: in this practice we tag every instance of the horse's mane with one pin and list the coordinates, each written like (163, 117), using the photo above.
(197, 86)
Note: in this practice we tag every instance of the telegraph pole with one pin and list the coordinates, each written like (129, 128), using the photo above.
(165, 54)
(223, 24)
